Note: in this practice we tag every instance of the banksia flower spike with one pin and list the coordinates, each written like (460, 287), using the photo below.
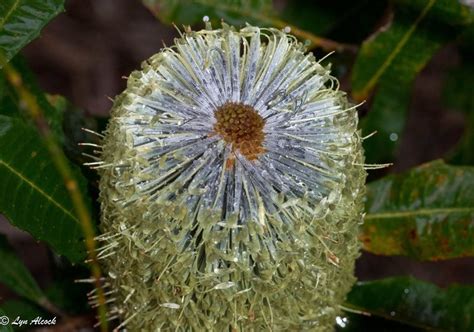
(231, 188)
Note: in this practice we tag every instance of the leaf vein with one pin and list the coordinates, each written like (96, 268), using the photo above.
(373, 80)
(35, 187)
(12, 9)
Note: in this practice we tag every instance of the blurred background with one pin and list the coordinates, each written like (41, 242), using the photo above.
(85, 53)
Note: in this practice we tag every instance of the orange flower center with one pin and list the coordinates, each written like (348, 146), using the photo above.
(241, 126)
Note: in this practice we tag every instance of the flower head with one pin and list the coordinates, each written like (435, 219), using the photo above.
(231, 187)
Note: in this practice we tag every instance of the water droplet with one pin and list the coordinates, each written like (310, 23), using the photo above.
(170, 305)
(287, 29)
(205, 19)
(406, 291)
(393, 137)
(342, 322)
(224, 285)
(392, 313)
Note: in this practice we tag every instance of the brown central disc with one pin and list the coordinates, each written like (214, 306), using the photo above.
(241, 126)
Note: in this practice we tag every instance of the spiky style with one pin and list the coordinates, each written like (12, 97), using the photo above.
(231, 187)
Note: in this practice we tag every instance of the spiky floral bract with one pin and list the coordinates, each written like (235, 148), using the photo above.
(231, 188)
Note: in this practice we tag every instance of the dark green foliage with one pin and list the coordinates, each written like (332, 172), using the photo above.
(21, 21)
(416, 303)
(335, 18)
(458, 95)
(4, 327)
(32, 195)
(24, 310)
(15, 275)
(11, 105)
(426, 213)
(236, 12)
(390, 60)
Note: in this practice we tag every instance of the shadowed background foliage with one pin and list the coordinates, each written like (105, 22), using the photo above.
(410, 60)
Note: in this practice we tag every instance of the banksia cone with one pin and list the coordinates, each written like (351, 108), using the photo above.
(231, 188)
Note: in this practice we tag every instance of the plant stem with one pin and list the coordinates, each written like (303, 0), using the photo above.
(60, 161)
(316, 41)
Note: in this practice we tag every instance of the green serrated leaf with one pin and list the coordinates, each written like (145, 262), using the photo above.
(380, 52)
(15, 275)
(236, 12)
(390, 61)
(416, 303)
(21, 21)
(32, 195)
(445, 11)
(4, 324)
(426, 213)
